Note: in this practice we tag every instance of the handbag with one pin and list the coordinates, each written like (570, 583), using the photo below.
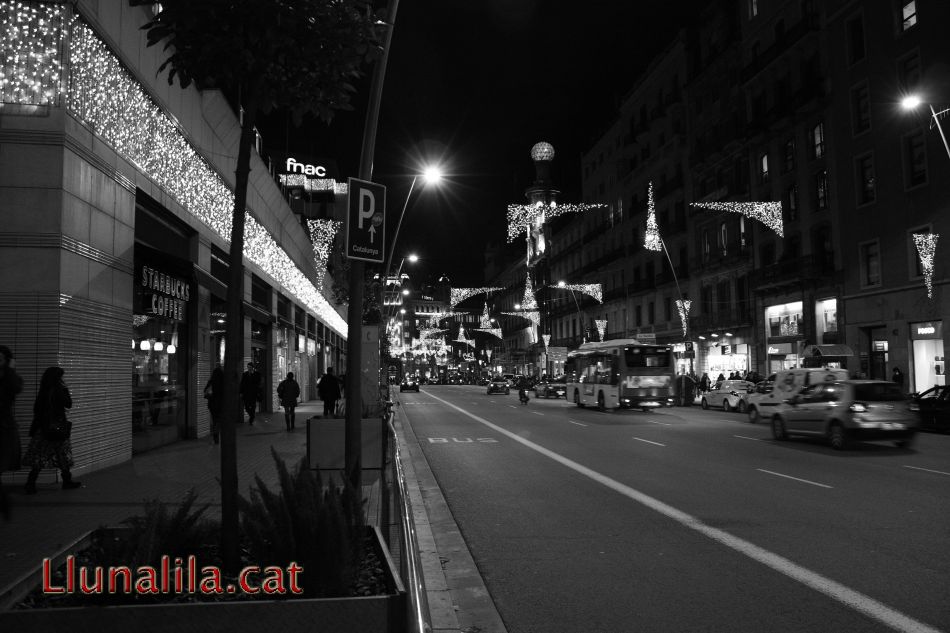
(58, 429)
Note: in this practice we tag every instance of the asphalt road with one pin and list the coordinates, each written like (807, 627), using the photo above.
(686, 520)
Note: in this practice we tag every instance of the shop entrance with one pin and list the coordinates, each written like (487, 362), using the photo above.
(929, 366)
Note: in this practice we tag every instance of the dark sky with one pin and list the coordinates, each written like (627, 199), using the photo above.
(473, 85)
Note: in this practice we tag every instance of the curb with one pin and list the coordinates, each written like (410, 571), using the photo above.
(458, 599)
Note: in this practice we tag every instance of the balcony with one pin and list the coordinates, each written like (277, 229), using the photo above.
(790, 272)
(807, 25)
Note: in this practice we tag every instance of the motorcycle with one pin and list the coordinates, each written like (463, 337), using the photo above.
(523, 395)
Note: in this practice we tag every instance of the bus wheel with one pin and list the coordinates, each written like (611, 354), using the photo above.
(600, 402)
(577, 398)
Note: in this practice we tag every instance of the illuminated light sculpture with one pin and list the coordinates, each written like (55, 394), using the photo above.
(462, 339)
(426, 333)
(651, 238)
(768, 213)
(494, 331)
(106, 98)
(458, 295)
(521, 217)
(926, 244)
(592, 290)
(601, 327)
(682, 306)
(547, 339)
(323, 232)
(529, 302)
(485, 321)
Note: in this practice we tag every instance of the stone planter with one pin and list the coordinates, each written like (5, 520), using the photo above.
(373, 614)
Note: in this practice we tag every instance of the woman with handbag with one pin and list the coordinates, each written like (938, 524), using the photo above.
(49, 432)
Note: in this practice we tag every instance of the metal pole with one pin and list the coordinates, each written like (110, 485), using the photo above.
(936, 119)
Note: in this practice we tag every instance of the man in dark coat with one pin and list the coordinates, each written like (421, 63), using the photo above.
(288, 391)
(329, 391)
(213, 393)
(250, 385)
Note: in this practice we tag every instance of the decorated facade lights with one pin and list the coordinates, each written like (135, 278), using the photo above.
(106, 98)
(435, 317)
(521, 217)
(427, 333)
(682, 306)
(768, 213)
(529, 302)
(926, 244)
(322, 232)
(31, 72)
(651, 238)
(601, 327)
(595, 291)
(458, 295)
(547, 339)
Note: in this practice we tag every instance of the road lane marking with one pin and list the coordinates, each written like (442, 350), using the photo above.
(663, 423)
(510, 405)
(536, 413)
(939, 472)
(577, 423)
(790, 477)
(640, 439)
(835, 590)
(745, 437)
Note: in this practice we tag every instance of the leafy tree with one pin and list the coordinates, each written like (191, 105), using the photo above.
(299, 55)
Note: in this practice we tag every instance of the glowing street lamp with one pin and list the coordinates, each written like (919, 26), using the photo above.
(912, 102)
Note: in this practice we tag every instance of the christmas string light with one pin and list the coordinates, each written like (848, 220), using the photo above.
(323, 232)
(651, 238)
(547, 339)
(529, 302)
(593, 290)
(485, 322)
(462, 339)
(426, 333)
(768, 213)
(494, 331)
(532, 315)
(522, 216)
(458, 295)
(31, 70)
(601, 327)
(926, 244)
(106, 98)
(682, 306)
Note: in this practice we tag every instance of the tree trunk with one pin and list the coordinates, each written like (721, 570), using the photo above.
(232, 412)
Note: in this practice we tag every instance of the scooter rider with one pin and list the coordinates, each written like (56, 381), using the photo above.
(523, 390)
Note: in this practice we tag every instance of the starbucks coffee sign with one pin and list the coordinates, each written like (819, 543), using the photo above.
(164, 295)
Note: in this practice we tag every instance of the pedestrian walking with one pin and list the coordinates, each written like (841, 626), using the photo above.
(249, 389)
(50, 431)
(720, 379)
(10, 385)
(288, 391)
(329, 391)
(214, 392)
(704, 383)
(898, 377)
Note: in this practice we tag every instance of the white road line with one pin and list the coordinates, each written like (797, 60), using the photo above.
(790, 477)
(640, 439)
(577, 423)
(510, 405)
(835, 590)
(663, 423)
(939, 472)
(757, 439)
(536, 413)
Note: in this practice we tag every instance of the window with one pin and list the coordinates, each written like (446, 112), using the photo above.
(784, 319)
(864, 178)
(705, 297)
(651, 313)
(855, 35)
(818, 140)
(914, 149)
(870, 264)
(754, 8)
(763, 168)
(767, 254)
(860, 109)
(638, 315)
(668, 308)
(789, 155)
(791, 202)
(723, 239)
(705, 245)
(908, 72)
(908, 15)
(821, 190)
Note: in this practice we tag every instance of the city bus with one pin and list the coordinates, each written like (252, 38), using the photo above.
(621, 373)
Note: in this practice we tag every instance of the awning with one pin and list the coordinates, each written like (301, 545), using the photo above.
(827, 350)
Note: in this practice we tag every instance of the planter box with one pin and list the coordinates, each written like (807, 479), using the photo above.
(374, 614)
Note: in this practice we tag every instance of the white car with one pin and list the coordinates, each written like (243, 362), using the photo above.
(782, 385)
(730, 395)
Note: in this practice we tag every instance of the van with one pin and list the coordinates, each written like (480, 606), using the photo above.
(785, 384)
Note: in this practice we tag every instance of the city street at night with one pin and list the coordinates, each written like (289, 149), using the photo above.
(685, 520)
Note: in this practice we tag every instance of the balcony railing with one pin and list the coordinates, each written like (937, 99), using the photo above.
(807, 268)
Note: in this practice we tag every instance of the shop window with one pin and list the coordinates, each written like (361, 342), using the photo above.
(826, 316)
(870, 253)
(914, 150)
(785, 319)
(864, 179)
(860, 109)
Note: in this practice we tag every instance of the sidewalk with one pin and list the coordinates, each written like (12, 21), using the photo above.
(42, 524)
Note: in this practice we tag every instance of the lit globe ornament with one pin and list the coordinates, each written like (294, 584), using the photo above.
(542, 152)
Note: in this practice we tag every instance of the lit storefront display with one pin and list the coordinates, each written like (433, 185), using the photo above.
(928, 360)
(784, 331)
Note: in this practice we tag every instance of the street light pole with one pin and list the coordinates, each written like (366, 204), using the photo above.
(911, 102)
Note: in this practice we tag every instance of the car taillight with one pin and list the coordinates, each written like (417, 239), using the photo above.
(858, 407)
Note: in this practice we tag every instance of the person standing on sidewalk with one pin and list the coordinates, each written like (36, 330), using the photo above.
(10, 385)
(288, 391)
(213, 391)
(329, 391)
(50, 431)
(250, 386)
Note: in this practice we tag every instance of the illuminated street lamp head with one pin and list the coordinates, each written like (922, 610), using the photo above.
(910, 102)
(561, 283)
(402, 310)
(413, 258)
(517, 306)
(432, 175)
(542, 152)
(405, 292)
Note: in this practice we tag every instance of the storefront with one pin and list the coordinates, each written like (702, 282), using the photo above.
(830, 356)
(781, 356)
(726, 358)
(927, 355)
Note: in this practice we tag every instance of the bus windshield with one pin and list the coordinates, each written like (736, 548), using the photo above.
(647, 356)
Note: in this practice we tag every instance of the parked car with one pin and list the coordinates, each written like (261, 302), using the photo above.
(783, 385)
(555, 387)
(498, 385)
(409, 384)
(729, 394)
(933, 408)
(847, 410)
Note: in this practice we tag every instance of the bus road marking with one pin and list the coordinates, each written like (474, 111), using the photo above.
(795, 478)
(577, 423)
(843, 594)
(640, 439)
(745, 437)
(939, 472)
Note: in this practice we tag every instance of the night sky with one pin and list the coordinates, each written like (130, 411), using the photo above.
(473, 85)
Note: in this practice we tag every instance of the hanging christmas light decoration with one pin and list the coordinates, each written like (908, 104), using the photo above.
(435, 317)
(485, 321)
(31, 71)
(458, 295)
(682, 306)
(521, 217)
(926, 244)
(107, 99)
(532, 315)
(601, 327)
(494, 331)
(593, 290)
(427, 333)
(651, 238)
(547, 339)
(529, 302)
(323, 232)
(768, 213)
(462, 339)
(488, 354)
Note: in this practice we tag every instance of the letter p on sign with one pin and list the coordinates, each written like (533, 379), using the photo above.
(366, 221)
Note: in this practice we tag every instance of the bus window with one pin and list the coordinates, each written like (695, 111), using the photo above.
(605, 370)
(647, 356)
(569, 368)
